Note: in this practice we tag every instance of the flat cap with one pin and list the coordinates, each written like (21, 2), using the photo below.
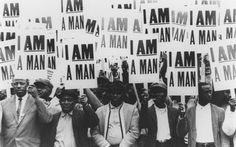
(44, 82)
(158, 86)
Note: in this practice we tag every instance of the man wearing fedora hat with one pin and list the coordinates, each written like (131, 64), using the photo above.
(69, 128)
(160, 119)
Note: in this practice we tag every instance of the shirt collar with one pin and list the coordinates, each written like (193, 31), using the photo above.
(113, 107)
(66, 114)
(23, 98)
(161, 109)
(207, 106)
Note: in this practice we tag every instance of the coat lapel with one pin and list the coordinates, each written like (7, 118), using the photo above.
(28, 106)
(214, 123)
(153, 115)
(55, 121)
(170, 119)
(124, 113)
(193, 119)
(106, 109)
(13, 107)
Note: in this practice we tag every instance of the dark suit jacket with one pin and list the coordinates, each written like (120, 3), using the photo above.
(150, 122)
(81, 121)
(188, 125)
(26, 132)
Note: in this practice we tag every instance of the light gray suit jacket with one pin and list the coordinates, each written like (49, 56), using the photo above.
(129, 119)
(188, 125)
(26, 131)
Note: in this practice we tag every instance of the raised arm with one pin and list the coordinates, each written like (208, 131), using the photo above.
(92, 99)
(43, 113)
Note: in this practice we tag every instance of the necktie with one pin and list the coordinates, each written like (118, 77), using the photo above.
(19, 108)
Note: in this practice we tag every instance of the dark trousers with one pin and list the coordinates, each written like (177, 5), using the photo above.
(168, 143)
(205, 145)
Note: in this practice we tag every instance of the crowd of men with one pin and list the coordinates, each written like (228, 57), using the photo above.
(110, 117)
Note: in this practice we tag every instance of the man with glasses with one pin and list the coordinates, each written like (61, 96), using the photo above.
(22, 115)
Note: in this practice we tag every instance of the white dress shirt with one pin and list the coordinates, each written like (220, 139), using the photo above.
(229, 125)
(114, 135)
(23, 101)
(163, 128)
(204, 124)
(64, 133)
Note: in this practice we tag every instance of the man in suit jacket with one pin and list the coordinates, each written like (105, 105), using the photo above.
(69, 128)
(22, 116)
(203, 122)
(159, 119)
(118, 121)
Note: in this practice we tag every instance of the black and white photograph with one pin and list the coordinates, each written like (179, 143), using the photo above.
(117, 73)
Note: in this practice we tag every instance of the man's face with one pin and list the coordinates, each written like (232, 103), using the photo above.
(144, 94)
(67, 103)
(114, 68)
(227, 95)
(158, 96)
(205, 93)
(116, 98)
(20, 86)
(43, 90)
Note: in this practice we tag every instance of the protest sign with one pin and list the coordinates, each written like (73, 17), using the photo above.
(144, 59)
(10, 12)
(205, 2)
(72, 18)
(79, 66)
(45, 20)
(31, 56)
(93, 15)
(7, 62)
(228, 21)
(116, 28)
(180, 22)
(126, 4)
(223, 65)
(156, 19)
(204, 25)
(7, 33)
(182, 71)
(51, 54)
